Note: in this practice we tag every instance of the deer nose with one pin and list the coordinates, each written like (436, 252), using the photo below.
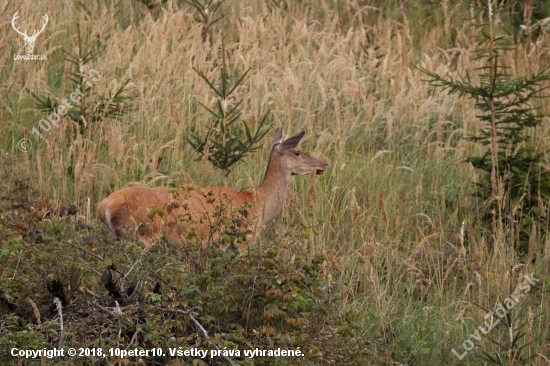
(321, 169)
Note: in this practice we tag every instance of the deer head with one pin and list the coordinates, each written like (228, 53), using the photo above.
(292, 159)
(29, 40)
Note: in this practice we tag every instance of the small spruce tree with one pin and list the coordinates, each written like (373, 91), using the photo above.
(228, 138)
(514, 186)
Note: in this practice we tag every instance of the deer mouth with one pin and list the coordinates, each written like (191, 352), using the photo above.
(317, 170)
(321, 170)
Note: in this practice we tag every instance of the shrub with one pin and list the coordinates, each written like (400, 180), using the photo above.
(118, 295)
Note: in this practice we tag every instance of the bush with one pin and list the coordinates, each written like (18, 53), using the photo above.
(115, 294)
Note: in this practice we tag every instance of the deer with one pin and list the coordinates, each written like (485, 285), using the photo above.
(192, 213)
(29, 40)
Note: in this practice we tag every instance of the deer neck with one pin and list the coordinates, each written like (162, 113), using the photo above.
(271, 194)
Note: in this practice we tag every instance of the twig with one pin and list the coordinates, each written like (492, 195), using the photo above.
(199, 326)
(134, 337)
(131, 269)
(84, 250)
(156, 274)
(118, 337)
(117, 310)
(123, 288)
(17, 266)
(57, 303)
(93, 293)
(85, 266)
(35, 309)
(201, 330)
(251, 297)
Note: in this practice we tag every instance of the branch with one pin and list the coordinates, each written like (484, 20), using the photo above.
(201, 330)
(84, 250)
(57, 303)
(134, 337)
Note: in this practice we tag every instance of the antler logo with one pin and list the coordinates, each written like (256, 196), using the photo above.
(29, 40)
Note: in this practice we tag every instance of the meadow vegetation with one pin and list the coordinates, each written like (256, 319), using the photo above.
(385, 259)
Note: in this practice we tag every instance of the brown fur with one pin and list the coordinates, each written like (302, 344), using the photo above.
(189, 213)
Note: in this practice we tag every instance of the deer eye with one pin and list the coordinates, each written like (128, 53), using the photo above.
(297, 152)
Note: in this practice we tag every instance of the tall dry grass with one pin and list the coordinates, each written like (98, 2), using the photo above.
(397, 191)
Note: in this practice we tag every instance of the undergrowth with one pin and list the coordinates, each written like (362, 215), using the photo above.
(115, 294)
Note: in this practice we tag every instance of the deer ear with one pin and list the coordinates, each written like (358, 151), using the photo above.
(293, 141)
(278, 138)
